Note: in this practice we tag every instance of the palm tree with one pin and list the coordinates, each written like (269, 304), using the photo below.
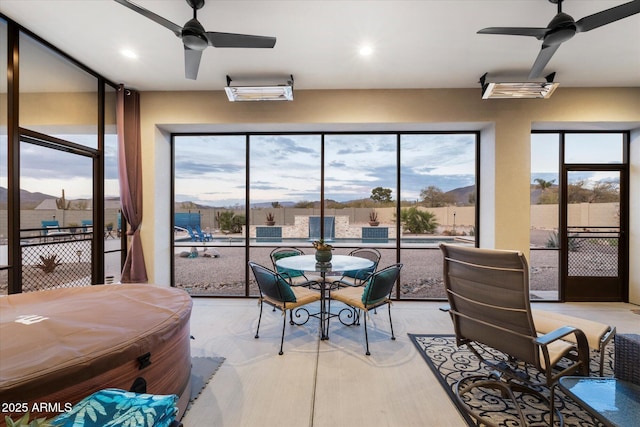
(543, 185)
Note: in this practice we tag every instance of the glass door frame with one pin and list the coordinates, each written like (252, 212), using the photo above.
(595, 288)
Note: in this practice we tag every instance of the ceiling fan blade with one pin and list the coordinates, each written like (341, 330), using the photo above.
(239, 40)
(191, 62)
(608, 16)
(542, 60)
(177, 30)
(516, 31)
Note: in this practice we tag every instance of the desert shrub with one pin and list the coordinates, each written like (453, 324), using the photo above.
(231, 222)
(417, 221)
(553, 242)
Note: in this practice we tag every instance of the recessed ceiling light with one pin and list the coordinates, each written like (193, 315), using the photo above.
(366, 50)
(129, 53)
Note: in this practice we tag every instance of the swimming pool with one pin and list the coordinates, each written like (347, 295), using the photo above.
(427, 241)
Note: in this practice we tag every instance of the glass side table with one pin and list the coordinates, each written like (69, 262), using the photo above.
(614, 402)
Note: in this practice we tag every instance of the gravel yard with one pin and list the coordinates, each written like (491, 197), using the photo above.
(421, 276)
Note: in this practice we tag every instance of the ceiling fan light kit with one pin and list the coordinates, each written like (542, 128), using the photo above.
(253, 91)
(518, 90)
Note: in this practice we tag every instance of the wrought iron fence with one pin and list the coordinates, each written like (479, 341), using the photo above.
(594, 253)
(55, 259)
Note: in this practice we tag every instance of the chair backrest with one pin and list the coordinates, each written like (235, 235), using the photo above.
(201, 235)
(272, 284)
(49, 225)
(380, 285)
(285, 252)
(194, 236)
(369, 253)
(488, 291)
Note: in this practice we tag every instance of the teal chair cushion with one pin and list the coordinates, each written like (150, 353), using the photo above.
(286, 291)
(377, 288)
(287, 272)
(118, 408)
(360, 274)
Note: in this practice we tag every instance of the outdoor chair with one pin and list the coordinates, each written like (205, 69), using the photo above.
(294, 277)
(193, 234)
(599, 335)
(51, 229)
(276, 291)
(204, 237)
(87, 225)
(357, 277)
(375, 292)
(488, 294)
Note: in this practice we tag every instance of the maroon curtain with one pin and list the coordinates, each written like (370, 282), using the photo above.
(130, 170)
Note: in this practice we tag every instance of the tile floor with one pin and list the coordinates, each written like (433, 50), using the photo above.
(332, 383)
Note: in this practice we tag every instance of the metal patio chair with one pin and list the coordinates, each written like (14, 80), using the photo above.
(276, 291)
(294, 277)
(488, 293)
(357, 277)
(375, 292)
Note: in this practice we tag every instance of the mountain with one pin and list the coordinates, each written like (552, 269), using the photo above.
(462, 195)
(27, 198)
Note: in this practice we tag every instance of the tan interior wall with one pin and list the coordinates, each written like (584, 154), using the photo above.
(511, 122)
(634, 219)
(41, 109)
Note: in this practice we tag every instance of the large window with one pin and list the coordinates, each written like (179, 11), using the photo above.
(51, 168)
(237, 197)
(56, 96)
(438, 173)
(55, 247)
(210, 198)
(544, 232)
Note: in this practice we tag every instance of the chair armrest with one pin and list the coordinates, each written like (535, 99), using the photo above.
(557, 334)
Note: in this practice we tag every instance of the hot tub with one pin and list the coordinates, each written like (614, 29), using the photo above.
(59, 346)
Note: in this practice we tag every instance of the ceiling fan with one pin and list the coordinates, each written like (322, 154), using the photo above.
(196, 39)
(563, 27)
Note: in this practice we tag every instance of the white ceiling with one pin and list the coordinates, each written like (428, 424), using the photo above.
(417, 44)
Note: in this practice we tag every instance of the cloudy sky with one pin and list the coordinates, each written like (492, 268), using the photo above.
(579, 148)
(286, 168)
(210, 170)
(50, 171)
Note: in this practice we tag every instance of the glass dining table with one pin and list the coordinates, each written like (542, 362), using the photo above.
(339, 264)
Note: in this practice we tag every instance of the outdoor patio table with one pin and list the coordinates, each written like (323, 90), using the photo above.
(338, 264)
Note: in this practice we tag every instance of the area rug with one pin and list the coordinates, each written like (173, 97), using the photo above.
(451, 363)
(202, 370)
